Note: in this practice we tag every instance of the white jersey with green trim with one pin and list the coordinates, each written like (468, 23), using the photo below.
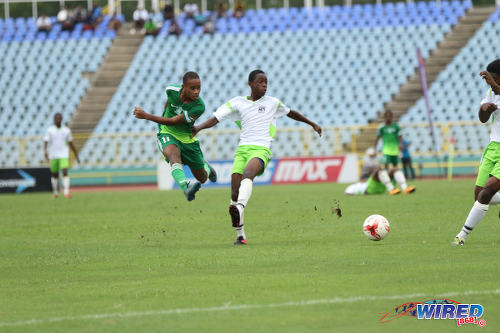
(491, 97)
(58, 139)
(256, 119)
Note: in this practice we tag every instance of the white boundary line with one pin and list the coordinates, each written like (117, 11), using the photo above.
(228, 307)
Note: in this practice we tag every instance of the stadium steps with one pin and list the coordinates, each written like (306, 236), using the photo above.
(411, 91)
(105, 83)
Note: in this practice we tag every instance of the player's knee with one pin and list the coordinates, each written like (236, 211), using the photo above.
(485, 195)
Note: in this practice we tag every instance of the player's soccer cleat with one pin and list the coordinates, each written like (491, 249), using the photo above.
(409, 189)
(235, 213)
(458, 241)
(55, 195)
(240, 241)
(67, 196)
(192, 188)
(395, 191)
(213, 175)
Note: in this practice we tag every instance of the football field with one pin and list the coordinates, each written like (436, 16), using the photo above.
(149, 261)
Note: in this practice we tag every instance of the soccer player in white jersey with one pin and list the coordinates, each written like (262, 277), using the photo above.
(256, 116)
(56, 142)
(488, 177)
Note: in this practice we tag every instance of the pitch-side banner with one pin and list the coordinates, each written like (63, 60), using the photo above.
(340, 169)
(25, 180)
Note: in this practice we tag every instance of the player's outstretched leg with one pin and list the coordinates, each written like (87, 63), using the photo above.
(237, 214)
(478, 211)
(54, 180)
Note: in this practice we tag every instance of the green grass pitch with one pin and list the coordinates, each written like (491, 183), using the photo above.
(149, 261)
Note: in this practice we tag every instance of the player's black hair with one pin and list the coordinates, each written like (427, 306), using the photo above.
(494, 67)
(189, 76)
(387, 111)
(58, 114)
(253, 75)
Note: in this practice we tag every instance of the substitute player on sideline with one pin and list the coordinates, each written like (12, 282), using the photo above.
(184, 105)
(256, 116)
(56, 140)
(488, 177)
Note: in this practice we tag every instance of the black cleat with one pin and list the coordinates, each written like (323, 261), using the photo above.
(240, 241)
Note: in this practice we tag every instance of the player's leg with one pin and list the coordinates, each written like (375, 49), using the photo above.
(400, 178)
(193, 156)
(382, 176)
(412, 171)
(54, 178)
(487, 178)
(479, 209)
(485, 168)
(170, 148)
(406, 168)
(64, 164)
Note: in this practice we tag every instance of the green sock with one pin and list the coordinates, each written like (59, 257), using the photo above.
(207, 168)
(179, 176)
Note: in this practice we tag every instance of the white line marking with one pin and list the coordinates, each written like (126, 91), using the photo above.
(228, 307)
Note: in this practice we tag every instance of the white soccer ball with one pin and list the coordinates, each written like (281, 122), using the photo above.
(376, 227)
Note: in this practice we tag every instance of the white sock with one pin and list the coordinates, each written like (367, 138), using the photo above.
(496, 199)
(55, 185)
(383, 176)
(400, 179)
(245, 191)
(475, 215)
(240, 231)
(233, 203)
(66, 185)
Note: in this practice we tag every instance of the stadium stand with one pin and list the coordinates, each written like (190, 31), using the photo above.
(37, 79)
(351, 61)
(457, 92)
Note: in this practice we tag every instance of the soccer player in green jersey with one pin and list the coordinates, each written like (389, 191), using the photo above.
(488, 177)
(181, 110)
(392, 140)
(256, 116)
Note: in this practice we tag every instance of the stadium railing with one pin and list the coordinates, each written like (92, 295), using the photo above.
(16, 151)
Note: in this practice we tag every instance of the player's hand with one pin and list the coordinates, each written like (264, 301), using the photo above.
(195, 131)
(139, 113)
(318, 129)
(77, 159)
(488, 78)
(489, 107)
(46, 156)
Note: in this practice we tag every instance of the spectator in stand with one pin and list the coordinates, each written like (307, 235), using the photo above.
(43, 23)
(65, 19)
(174, 28)
(190, 9)
(239, 9)
(157, 18)
(151, 28)
(79, 14)
(140, 16)
(220, 9)
(94, 18)
(200, 18)
(168, 11)
(114, 23)
(209, 26)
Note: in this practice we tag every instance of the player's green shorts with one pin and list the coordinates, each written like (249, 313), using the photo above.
(191, 154)
(392, 159)
(57, 164)
(490, 164)
(375, 187)
(245, 153)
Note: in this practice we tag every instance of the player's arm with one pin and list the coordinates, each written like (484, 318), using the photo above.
(45, 144)
(489, 79)
(72, 146)
(141, 114)
(299, 117)
(486, 110)
(210, 122)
